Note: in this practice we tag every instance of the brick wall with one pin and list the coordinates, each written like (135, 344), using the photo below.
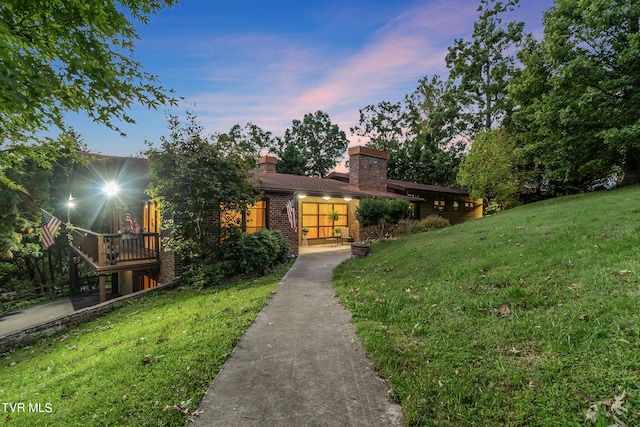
(368, 168)
(278, 219)
(268, 164)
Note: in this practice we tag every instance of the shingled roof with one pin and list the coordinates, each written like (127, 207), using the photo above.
(280, 182)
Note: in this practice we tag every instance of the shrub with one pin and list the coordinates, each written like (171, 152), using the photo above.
(202, 276)
(433, 222)
(256, 252)
(408, 226)
(378, 212)
(397, 209)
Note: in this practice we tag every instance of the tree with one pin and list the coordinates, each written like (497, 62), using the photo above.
(580, 92)
(246, 141)
(490, 170)
(290, 159)
(384, 125)
(482, 69)
(71, 56)
(197, 180)
(319, 141)
(416, 133)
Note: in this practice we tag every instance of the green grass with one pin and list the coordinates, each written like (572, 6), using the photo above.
(143, 364)
(525, 318)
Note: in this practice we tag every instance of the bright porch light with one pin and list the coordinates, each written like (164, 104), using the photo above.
(110, 189)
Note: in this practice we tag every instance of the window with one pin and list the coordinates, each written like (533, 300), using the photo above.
(456, 204)
(254, 219)
(439, 204)
(469, 206)
(315, 217)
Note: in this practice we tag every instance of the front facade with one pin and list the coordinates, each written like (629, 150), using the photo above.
(315, 198)
(298, 206)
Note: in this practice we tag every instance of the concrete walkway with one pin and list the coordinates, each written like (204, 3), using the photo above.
(300, 363)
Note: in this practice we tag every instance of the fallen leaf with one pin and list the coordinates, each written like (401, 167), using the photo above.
(616, 406)
(505, 311)
(592, 414)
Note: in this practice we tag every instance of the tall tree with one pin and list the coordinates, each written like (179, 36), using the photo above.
(60, 56)
(248, 141)
(196, 179)
(290, 159)
(483, 67)
(319, 141)
(384, 126)
(416, 133)
(71, 56)
(580, 92)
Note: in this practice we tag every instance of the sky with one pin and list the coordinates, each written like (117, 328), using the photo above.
(270, 62)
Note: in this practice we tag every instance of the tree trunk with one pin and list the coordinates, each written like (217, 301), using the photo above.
(631, 166)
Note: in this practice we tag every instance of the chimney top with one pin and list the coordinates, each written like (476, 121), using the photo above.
(268, 164)
(361, 149)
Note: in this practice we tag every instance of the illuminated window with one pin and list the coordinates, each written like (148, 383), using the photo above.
(315, 217)
(439, 204)
(256, 217)
(469, 206)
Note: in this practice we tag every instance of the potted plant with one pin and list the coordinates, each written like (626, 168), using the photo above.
(337, 231)
(305, 231)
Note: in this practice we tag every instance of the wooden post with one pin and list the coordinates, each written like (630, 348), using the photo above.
(103, 289)
(102, 258)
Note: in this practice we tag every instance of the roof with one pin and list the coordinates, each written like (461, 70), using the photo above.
(414, 186)
(280, 182)
(404, 186)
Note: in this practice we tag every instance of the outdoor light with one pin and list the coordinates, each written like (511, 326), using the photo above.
(301, 196)
(347, 199)
(326, 197)
(110, 189)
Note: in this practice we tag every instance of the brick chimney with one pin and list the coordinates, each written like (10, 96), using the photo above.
(368, 168)
(268, 164)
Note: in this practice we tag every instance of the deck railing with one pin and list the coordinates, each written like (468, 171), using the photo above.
(112, 249)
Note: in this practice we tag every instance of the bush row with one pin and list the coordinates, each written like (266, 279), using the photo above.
(243, 253)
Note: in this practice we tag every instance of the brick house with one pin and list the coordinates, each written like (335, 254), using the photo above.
(341, 192)
(289, 203)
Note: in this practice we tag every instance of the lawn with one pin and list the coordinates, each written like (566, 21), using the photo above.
(525, 318)
(147, 363)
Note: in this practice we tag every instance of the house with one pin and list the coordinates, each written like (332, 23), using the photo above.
(289, 203)
(314, 198)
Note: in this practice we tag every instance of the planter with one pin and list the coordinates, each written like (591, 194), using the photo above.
(360, 250)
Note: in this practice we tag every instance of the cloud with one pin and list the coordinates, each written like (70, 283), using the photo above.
(272, 79)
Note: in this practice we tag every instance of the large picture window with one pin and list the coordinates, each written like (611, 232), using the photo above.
(254, 219)
(315, 217)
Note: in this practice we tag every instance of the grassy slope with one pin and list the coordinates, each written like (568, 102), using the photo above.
(132, 366)
(523, 318)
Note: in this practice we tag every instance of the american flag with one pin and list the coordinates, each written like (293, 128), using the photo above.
(291, 213)
(50, 225)
(134, 225)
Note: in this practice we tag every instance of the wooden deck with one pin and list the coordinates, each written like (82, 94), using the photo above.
(112, 253)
